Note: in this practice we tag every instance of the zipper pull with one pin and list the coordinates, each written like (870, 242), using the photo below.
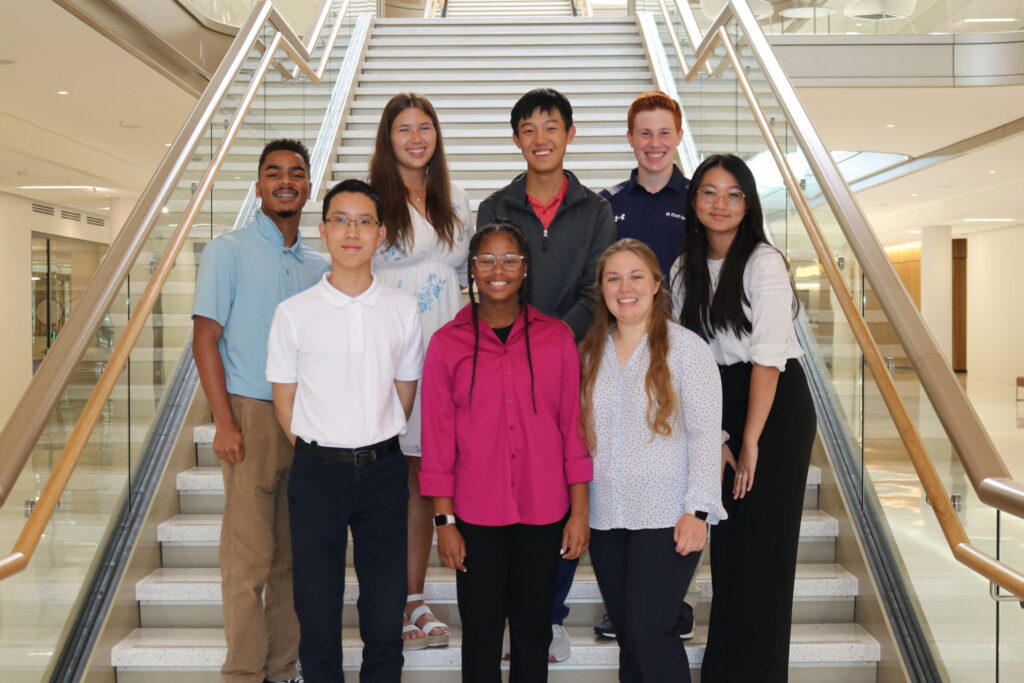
(544, 241)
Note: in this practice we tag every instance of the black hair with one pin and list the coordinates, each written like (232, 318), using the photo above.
(285, 144)
(545, 99)
(509, 228)
(351, 186)
(701, 312)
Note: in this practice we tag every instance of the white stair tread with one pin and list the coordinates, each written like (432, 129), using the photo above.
(205, 528)
(203, 584)
(210, 479)
(204, 648)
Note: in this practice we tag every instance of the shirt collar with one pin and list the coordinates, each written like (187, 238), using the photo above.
(676, 182)
(339, 299)
(465, 316)
(557, 199)
(269, 232)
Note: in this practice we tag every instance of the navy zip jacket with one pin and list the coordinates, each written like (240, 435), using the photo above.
(563, 266)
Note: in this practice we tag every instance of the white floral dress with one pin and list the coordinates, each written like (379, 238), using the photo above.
(434, 274)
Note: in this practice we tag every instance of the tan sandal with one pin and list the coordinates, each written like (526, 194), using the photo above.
(440, 640)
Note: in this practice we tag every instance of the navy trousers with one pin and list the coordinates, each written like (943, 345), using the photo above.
(325, 497)
(643, 580)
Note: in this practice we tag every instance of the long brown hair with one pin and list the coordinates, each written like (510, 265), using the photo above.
(662, 402)
(387, 181)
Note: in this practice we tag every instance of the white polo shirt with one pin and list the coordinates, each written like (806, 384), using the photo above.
(345, 353)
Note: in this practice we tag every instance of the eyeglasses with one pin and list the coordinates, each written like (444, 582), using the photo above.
(485, 263)
(733, 198)
(361, 223)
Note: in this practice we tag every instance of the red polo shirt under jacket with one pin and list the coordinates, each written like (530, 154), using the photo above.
(500, 461)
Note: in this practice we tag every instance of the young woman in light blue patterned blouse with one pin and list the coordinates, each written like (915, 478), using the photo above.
(425, 254)
(652, 411)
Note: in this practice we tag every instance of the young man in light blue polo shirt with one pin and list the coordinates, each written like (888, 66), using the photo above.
(243, 275)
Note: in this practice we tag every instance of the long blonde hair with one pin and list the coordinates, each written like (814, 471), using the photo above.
(662, 402)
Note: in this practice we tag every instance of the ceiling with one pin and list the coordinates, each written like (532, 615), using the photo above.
(110, 130)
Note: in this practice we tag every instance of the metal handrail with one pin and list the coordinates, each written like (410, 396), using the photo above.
(31, 414)
(986, 469)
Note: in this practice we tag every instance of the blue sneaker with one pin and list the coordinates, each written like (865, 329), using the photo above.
(605, 628)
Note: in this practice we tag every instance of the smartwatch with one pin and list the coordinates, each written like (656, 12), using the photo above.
(702, 515)
(445, 520)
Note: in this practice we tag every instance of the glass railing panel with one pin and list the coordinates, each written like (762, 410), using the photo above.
(37, 605)
(952, 604)
(1010, 621)
(876, 17)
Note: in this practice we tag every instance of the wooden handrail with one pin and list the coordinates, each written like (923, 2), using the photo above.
(1001, 489)
(262, 14)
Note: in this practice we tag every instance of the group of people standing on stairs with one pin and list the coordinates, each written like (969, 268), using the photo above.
(617, 396)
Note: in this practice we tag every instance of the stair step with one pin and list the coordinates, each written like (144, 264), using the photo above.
(191, 585)
(205, 528)
(204, 649)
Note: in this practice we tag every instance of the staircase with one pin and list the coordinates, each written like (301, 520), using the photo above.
(506, 8)
(473, 71)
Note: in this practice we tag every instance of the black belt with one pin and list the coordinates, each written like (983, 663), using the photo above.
(354, 456)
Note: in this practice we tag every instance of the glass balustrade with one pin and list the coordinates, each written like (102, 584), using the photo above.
(969, 637)
(38, 604)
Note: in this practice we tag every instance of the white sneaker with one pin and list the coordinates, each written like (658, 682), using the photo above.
(560, 647)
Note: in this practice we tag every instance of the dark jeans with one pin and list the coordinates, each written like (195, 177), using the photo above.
(324, 498)
(510, 573)
(643, 580)
(563, 582)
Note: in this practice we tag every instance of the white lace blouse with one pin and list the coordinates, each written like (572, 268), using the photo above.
(772, 340)
(647, 481)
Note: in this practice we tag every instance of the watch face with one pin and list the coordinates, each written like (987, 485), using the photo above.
(440, 520)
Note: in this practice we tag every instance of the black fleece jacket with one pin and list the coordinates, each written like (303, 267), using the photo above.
(563, 266)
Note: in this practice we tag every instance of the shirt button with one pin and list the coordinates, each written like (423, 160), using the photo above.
(511, 428)
(508, 374)
(509, 401)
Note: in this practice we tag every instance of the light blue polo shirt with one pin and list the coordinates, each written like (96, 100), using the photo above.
(243, 276)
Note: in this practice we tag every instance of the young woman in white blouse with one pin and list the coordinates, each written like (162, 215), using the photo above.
(425, 254)
(652, 417)
(734, 289)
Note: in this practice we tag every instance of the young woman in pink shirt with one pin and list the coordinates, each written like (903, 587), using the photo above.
(504, 459)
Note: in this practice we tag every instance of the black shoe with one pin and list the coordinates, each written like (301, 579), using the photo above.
(605, 629)
(297, 679)
(685, 622)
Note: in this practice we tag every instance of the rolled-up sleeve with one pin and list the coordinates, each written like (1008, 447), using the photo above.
(771, 306)
(437, 465)
(700, 393)
(579, 467)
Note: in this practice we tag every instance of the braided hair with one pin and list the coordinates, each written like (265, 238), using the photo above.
(516, 233)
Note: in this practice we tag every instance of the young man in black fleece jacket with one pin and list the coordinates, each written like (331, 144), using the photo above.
(567, 225)
(568, 228)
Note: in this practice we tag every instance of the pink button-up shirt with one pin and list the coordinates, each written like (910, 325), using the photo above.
(501, 462)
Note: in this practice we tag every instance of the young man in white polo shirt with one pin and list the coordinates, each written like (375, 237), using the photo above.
(344, 358)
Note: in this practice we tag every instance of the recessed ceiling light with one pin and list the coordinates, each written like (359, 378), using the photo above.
(36, 277)
(988, 220)
(163, 210)
(890, 125)
(238, 177)
(991, 172)
(104, 208)
(913, 194)
(167, 144)
(914, 232)
(991, 20)
(62, 92)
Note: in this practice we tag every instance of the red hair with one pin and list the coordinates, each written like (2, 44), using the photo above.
(651, 101)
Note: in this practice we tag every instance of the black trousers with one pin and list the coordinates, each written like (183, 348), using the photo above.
(324, 498)
(643, 579)
(510, 574)
(753, 553)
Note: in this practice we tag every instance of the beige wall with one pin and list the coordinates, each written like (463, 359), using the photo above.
(995, 313)
(17, 224)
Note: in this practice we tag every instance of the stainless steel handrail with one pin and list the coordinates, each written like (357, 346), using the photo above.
(985, 467)
(30, 416)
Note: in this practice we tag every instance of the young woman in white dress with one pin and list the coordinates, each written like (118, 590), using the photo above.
(425, 253)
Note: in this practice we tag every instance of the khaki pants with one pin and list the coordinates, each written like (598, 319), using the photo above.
(260, 626)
